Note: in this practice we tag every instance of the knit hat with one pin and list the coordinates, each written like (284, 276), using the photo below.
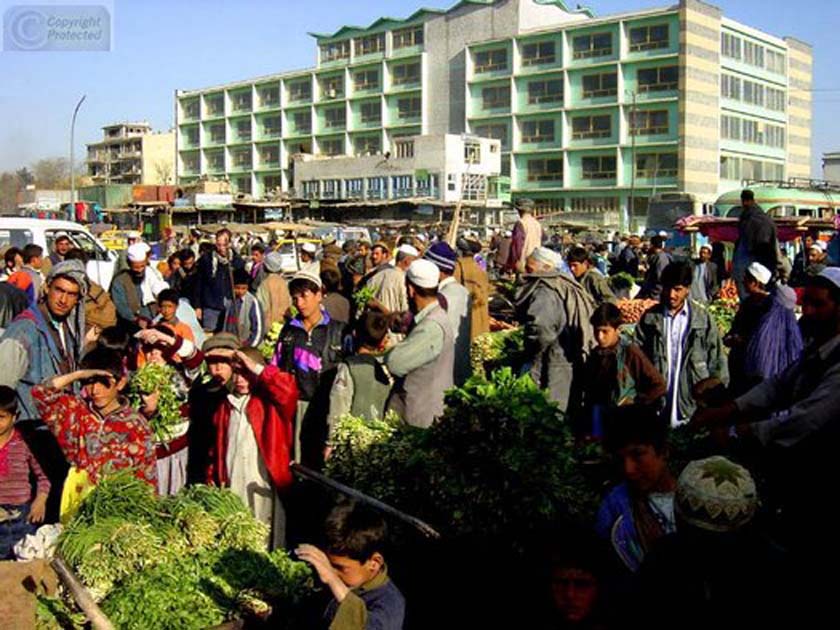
(408, 250)
(305, 274)
(544, 256)
(423, 273)
(137, 253)
(221, 341)
(442, 255)
(832, 274)
(273, 262)
(715, 494)
(524, 204)
(759, 272)
(74, 270)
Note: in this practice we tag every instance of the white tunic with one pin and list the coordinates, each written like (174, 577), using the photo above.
(247, 474)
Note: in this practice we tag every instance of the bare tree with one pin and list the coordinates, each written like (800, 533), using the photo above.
(52, 173)
(9, 187)
(163, 170)
(25, 176)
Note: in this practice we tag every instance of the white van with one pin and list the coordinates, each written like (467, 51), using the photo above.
(19, 231)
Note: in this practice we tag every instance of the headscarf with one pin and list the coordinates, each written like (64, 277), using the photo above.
(73, 270)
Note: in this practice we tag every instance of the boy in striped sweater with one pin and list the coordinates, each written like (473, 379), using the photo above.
(19, 511)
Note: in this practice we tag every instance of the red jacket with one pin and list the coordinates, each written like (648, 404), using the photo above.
(271, 413)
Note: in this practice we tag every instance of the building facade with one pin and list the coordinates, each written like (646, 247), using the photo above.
(443, 168)
(595, 115)
(831, 166)
(130, 153)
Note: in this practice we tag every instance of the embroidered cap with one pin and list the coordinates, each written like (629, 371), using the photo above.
(760, 272)
(423, 273)
(716, 495)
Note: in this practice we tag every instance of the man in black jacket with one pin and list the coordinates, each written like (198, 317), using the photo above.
(757, 240)
(214, 282)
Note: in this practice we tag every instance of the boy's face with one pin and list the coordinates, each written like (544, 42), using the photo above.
(675, 296)
(354, 573)
(240, 289)
(220, 369)
(241, 385)
(102, 391)
(7, 422)
(168, 310)
(575, 592)
(606, 336)
(307, 303)
(642, 466)
(578, 268)
(155, 355)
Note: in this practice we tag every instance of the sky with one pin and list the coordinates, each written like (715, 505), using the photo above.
(159, 46)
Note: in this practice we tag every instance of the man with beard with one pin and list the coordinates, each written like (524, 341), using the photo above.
(131, 291)
(424, 362)
(44, 341)
(214, 290)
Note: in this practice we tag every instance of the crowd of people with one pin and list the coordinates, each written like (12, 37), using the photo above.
(371, 327)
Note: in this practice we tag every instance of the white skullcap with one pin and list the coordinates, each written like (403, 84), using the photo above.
(309, 248)
(508, 233)
(137, 252)
(820, 246)
(421, 238)
(423, 273)
(408, 250)
(544, 256)
(305, 274)
(759, 272)
(832, 274)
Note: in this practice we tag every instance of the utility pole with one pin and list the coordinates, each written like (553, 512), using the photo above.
(72, 174)
(632, 201)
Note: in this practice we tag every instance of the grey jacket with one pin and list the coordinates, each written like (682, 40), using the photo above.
(555, 310)
(702, 355)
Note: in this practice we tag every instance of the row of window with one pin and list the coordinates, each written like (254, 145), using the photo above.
(737, 168)
(372, 44)
(751, 92)
(752, 53)
(401, 186)
(592, 86)
(590, 45)
(752, 131)
(644, 123)
(648, 165)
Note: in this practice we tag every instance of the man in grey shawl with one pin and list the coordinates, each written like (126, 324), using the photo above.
(46, 340)
(554, 310)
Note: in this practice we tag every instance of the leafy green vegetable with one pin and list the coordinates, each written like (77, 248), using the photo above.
(500, 462)
(269, 345)
(362, 297)
(158, 378)
(187, 561)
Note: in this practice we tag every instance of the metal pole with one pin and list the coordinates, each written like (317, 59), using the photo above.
(72, 139)
(631, 202)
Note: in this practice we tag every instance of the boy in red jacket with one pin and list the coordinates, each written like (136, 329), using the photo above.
(250, 452)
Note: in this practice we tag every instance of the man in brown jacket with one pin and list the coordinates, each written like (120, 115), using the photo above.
(474, 279)
(273, 293)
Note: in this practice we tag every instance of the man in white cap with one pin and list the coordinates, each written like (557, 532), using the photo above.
(406, 254)
(386, 281)
(794, 415)
(817, 258)
(704, 285)
(554, 310)
(307, 256)
(425, 360)
(135, 289)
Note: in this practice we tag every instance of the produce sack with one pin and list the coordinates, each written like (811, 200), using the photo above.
(76, 487)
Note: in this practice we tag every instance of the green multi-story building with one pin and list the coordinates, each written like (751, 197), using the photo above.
(595, 114)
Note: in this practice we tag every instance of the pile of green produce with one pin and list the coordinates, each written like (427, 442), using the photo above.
(362, 297)
(192, 560)
(493, 350)
(723, 312)
(157, 378)
(499, 463)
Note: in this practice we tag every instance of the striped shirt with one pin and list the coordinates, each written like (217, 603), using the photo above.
(17, 466)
